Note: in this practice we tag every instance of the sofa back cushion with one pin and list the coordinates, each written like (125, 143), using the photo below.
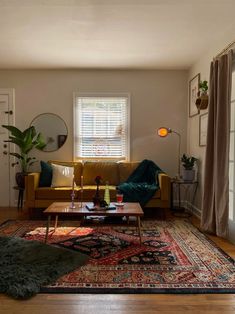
(77, 168)
(107, 170)
(45, 174)
(126, 169)
(62, 176)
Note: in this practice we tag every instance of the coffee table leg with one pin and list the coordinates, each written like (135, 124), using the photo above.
(56, 222)
(139, 227)
(82, 221)
(48, 227)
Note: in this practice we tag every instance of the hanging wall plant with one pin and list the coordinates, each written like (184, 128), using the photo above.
(202, 100)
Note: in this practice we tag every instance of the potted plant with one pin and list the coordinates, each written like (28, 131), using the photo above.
(25, 141)
(188, 173)
(202, 100)
(203, 87)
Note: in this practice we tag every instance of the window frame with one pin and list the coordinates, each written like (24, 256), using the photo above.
(126, 95)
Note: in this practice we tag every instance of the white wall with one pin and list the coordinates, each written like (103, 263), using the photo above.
(158, 98)
(202, 66)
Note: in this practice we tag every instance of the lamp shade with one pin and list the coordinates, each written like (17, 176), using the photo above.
(163, 132)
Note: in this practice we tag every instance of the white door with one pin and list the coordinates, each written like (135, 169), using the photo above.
(6, 175)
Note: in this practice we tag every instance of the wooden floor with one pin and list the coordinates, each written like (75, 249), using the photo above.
(117, 303)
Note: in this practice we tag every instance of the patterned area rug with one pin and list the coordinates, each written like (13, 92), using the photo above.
(174, 258)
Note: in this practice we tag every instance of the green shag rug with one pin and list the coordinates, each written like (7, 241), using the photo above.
(25, 265)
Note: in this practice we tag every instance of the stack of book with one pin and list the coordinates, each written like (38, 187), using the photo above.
(92, 207)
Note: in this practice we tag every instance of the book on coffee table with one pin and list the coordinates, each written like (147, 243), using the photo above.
(92, 207)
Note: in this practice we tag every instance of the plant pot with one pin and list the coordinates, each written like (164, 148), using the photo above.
(202, 101)
(20, 179)
(188, 175)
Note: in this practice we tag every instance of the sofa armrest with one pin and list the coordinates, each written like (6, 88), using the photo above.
(31, 183)
(165, 186)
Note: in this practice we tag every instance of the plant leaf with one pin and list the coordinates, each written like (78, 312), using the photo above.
(16, 155)
(14, 130)
(32, 162)
(40, 142)
(16, 141)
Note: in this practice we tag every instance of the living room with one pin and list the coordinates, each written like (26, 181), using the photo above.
(152, 60)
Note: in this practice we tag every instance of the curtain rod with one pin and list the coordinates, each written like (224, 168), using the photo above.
(225, 49)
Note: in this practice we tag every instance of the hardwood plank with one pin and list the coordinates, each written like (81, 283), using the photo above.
(124, 304)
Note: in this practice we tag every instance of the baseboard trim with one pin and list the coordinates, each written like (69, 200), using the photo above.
(195, 211)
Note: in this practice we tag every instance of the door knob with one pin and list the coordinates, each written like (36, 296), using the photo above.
(5, 145)
(9, 112)
(4, 152)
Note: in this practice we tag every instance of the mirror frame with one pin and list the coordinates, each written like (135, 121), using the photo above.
(62, 135)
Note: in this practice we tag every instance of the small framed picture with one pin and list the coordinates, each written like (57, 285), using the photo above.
(203, 119)
(61, 140)
(193, 94)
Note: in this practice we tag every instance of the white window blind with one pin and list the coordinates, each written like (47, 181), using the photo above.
(101, 127)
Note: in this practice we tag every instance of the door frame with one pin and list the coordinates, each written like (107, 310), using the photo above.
(10, 93)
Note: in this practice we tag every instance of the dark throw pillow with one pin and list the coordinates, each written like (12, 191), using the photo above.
(46, 174)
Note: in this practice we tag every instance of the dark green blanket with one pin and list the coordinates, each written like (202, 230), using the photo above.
(142, 183)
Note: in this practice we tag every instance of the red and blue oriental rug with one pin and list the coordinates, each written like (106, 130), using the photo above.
(174, 257)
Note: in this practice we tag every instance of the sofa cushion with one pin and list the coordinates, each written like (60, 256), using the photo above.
(89, 192)
(126, 169)
(60, 193)
(65, 193)
(77, 168)
(157, 194)
(107, 170)
(62, 176)
(45, 175)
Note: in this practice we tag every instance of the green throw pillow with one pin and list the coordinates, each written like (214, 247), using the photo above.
(46, 174)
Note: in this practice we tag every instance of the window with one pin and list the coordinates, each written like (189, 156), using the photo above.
(101, 128)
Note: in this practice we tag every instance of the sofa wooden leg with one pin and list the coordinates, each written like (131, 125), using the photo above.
(30, 212)
(56, 222)
(163, 213)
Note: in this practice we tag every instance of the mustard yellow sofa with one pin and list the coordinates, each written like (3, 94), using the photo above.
(113, 172)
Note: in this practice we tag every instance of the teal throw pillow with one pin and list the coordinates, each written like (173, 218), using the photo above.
(46, 174)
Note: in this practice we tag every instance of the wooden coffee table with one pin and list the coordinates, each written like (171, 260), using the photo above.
(63, 208)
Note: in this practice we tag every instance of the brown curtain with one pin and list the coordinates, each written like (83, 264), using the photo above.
(215, 201)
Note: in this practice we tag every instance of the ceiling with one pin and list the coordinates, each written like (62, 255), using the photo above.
(110, 34)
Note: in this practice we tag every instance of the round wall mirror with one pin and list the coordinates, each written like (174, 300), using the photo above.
(53, 129)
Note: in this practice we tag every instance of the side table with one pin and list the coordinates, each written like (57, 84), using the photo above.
(190, 190)
(20, 196)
